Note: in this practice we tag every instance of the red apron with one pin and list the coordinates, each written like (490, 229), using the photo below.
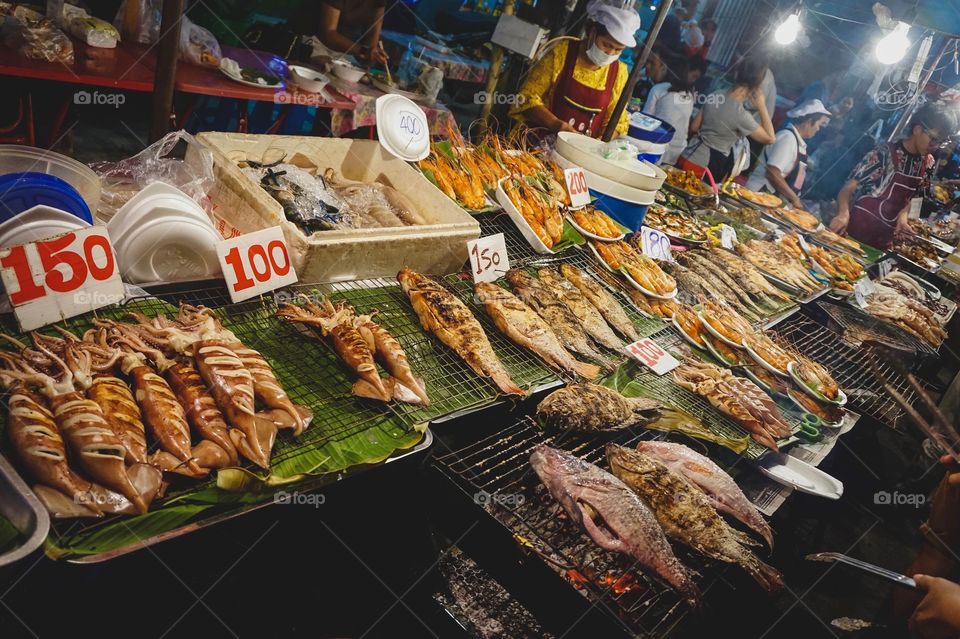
(582, 107)
(873, 219)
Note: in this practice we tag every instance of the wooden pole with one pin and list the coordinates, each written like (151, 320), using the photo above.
(166, 72)
(493, 76)
(662, 10)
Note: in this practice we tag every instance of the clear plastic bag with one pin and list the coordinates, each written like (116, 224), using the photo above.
(37, 40)
(197, 45)
(162, 161)
(305, 198)
(94, 31)
(618, 149)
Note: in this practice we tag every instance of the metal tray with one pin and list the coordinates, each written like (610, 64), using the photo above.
(21, 508)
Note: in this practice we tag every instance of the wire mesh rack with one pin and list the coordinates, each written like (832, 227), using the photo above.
(850, 366)
(499, 466)
(860, 326)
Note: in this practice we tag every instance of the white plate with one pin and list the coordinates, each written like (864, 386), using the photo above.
(800, 475)
(521, 223)
(715, 333)
(841, 396)
(598, 238)
(804, 409)
(308, 79)
(716, 354)
(676, 325)
(762, 362)
(630, 280)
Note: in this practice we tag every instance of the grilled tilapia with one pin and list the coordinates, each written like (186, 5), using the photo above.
(718, 486)
(747, 275)
(591, 408)
(586, 313)
(612, 514)
(715, 284)
(601, 298)
(686, 515)
(525, 328)
(448, 318)
(717, 275)
(560, 318)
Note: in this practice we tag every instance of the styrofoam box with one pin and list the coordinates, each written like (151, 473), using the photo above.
(242, 206)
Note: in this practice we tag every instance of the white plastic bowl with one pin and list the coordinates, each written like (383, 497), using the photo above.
(582, 151)
(167, 250)
(157, 199)
(607, 186)
(38, 223)
(347, 71)
(20, 159)
(307, 79)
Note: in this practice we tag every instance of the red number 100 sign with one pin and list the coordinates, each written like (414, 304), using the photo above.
(255, 263)
(651, 355)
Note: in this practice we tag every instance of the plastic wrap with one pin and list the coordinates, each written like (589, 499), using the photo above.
(93, 31)
(618, 149)
(159, 162)
(306, 200)
(197, 45)
(37, 39)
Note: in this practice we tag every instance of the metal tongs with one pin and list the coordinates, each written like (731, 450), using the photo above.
(895, 577)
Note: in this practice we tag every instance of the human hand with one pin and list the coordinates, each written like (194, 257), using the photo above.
(378, 56)
(953, 469)
(903, 230)
(938, 614)
(562, 125)
(839, 223)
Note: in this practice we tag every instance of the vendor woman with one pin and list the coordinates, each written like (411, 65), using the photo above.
(575, 86)
(783, 165)
(353, 27)
(874, 203)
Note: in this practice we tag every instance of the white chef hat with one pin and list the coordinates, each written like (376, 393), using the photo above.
(620, 23)
(809, 107)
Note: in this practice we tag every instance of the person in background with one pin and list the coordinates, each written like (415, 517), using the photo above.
(783, 164)
(673, 103)
(724, 120)
(709, 29)
(938, 614)
(671, 31)
(874, 203)
(692, 37)
(838, 111)
(654, 71)
(575, 86)
(353, 27)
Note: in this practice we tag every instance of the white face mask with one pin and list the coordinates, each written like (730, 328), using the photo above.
(600, 57)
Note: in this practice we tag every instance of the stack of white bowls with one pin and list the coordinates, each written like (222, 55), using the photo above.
(38, 223)
(163, 235)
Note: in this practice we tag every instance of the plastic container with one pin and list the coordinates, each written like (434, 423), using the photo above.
(38, 223)
(583, 151)
(156, 200)
(347, 71)
(648, 151)
(307, 78)
(627, 212)
(168, 249)
(650, 129)
(20, 192)
(18, 159)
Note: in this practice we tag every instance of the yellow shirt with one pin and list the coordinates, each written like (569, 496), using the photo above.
(537, 89)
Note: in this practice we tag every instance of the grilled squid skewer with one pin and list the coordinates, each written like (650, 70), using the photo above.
(201, 409)
(122, 414)
(267, 389)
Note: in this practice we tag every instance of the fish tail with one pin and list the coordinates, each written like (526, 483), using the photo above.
(769, 578)
(503, 381)
(587, 371)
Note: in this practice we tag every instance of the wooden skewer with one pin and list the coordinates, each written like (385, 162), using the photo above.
(386, 65)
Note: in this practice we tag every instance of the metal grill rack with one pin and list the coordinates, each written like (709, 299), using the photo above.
(860, 326)
(499, 465)
(849, 366)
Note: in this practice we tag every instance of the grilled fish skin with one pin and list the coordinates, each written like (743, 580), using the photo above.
(686, 515)
(690, 286)
(448, 318)
(525, 328)
(723, 291)
(623, 522)
(717, 274)
(560, 318)
(601, 298)
(718, 486)
(748, 276)
(593, 408)
(588, 316)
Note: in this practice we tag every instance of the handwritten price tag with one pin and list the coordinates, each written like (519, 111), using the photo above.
(885, 267)
(655, 244)
(728, 237)
(61, 277)
(488, 258)
(255, 263)
(577, 187)
(649, 353)
(862, 289)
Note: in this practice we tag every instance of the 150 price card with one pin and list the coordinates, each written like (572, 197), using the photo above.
(488, 258)
(60, 277)
(255, 263)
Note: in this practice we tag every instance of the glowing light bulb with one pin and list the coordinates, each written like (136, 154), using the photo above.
(893, 46)
(788, 31)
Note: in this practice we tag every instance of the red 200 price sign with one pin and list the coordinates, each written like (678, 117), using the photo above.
(255, 263)
(60, 277)
(577, 186)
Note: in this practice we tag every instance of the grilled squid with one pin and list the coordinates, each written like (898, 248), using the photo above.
(122, 414)
(267, 389)
(392, 354)
(231, 385)
(201, 409)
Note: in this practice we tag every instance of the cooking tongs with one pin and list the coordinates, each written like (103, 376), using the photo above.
(895, 577)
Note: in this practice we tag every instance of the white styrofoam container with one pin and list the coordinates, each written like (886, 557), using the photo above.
(242, 206)
(582, 151)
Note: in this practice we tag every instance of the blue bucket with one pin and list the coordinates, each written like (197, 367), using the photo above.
(22, 191)
(630, 214)
(662, 134)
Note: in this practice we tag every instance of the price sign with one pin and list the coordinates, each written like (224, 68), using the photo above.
(255, 263)
(862, 289)
(885, 267)
(649, 353)
(577, 187)
(916, 204)
(802, 241)
(488, 258)
(60, 277)
(655, 244)
(728, 237)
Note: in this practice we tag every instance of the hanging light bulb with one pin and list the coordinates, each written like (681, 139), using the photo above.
(788, 31)
(893, 46)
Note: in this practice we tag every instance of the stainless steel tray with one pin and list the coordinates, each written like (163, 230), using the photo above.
(21, 508)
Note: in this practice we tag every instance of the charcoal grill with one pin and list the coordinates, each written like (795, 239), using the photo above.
(498, 467)
(859, 326)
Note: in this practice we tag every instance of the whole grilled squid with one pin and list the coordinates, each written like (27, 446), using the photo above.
(201, 409)
(120, 409)
(267, 389)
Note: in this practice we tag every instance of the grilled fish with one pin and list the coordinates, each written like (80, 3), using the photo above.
(601, 298)
(690, 286)
(525, 328)
(592, 408)
(718, 486)
(612, 514)
(448, 318)
(586, 313)
(719, 274)
(747, 275)
(686, 515)
(638, 299)
(726, 293)
(560, 318)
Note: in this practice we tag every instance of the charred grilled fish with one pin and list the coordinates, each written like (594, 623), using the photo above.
(718, 486)
(686, 514)
(601, 298)
(451, 321)
(586, 313)
(592, 408)
(612, 514)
